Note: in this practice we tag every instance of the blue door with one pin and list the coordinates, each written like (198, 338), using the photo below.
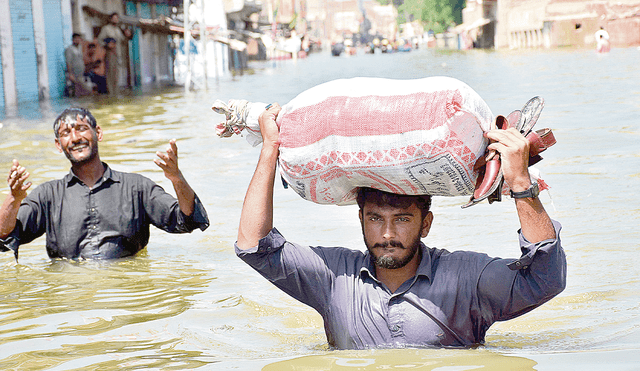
(55, 46)
(24, 51)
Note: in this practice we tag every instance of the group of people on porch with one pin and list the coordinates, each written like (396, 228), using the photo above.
(93, 66)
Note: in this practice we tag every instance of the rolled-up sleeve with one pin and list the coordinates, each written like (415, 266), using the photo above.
(30, 222)
(300, 271)
(164, 211)
(197, 219)
(508, 288)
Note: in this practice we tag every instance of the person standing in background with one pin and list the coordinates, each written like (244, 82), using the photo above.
(75, 67)
(95, 66)
(114, 31)
(602, 41)
(111, 65)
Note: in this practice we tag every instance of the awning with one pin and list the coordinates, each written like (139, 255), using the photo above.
(161, 25)
(470, 26)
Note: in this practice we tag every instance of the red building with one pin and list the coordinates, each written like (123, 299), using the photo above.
(573, 23)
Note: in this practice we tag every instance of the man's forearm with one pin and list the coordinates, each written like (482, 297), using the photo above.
(8, 215)
(534, 220)
(185, 194)
(256, 219)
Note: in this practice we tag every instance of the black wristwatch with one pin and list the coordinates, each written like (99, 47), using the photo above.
(532, 192)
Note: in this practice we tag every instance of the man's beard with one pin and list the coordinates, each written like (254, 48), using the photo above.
(92, 154)
(389, 262)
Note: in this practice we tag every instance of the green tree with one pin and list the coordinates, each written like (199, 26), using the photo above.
(434, 14)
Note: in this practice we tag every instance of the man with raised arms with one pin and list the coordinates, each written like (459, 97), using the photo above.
(95, 212)
(400, 292)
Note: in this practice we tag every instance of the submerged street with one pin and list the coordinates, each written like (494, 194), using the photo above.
(187, 301)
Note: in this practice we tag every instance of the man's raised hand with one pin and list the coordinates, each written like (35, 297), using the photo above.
(16, 181)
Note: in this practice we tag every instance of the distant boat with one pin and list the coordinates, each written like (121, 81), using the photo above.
(405, 48)
(337, 49)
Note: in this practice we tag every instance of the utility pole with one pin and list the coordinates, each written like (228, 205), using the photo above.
(194, 21)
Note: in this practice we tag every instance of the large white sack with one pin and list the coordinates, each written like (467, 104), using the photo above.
(420, 136)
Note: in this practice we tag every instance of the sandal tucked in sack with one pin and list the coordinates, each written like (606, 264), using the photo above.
(490, 182)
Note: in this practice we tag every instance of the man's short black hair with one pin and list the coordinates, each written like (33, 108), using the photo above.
(73, 114)
(382, 198)
(75, 34)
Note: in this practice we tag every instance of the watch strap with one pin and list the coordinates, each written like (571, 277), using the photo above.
(532, 192)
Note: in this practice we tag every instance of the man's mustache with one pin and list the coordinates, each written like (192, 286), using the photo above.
(386, 244)
(80, 142)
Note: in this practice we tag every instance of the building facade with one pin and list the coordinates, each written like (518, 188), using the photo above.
(566, 23)
(35, 33)
(149, 56)
(33, 36)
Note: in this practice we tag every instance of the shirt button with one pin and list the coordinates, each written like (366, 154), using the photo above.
(395, 328)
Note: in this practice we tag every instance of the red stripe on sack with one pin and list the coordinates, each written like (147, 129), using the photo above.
(312, 190)
(332, 165)
(367, 115)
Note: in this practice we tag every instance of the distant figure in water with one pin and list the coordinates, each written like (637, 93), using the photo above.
(95, 212)
(602, 40)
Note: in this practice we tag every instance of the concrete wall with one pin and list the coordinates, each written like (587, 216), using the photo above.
(624, 32)
(561, 23)
(520, 23)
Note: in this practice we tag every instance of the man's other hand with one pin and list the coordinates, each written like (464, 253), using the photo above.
(268, 127)
(168, 162)
(16, 180)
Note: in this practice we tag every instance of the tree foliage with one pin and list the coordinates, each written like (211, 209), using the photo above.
(437, 15)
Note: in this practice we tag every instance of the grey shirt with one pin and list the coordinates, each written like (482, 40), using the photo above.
(452, 300)
(73, 55)
(109, 220)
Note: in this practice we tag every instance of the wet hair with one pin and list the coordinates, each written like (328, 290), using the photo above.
(72, 115)
(381, 198)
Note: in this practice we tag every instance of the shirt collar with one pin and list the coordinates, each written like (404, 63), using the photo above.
(109, 174)
(424, 269)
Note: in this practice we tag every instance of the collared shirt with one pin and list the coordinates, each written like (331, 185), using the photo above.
(73, 55)
(114, 32)
(109, 220)
(452, 300)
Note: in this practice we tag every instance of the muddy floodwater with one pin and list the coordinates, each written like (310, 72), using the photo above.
(187, 302)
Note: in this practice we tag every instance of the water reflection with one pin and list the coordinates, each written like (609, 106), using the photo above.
(187, 302)
(434, 359)
(74, 309)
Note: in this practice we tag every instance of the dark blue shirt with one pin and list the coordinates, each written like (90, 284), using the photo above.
(109, 220)
(452, 300)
